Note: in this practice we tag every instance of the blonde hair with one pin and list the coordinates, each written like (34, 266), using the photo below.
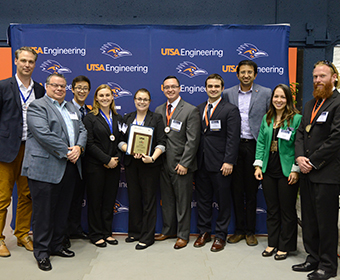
(96, 106)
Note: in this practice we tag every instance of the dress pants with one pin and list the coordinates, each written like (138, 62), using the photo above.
(10, 174)
(102, 186)
(209, 184)
(142, 181)
(320, 211)
(51, 205)
(281, 212)
(244, 189)
(176, 194)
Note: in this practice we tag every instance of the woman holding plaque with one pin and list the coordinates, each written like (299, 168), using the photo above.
(102, 168)
(274, 163)
(143, 170)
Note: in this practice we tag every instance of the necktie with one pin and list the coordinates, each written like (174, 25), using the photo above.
(82, 111)
(169, 109)
(209, 111)
(318, 103)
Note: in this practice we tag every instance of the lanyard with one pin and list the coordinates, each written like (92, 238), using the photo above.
(314, 112)
(23, 97)
(168, 117)
(142, 123)
(109, 121)
(212, 112)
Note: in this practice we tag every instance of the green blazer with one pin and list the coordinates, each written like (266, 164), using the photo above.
(286, 148)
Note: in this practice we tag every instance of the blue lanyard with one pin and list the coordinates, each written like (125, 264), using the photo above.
(142, 123)
(23, 97)
(109, 121)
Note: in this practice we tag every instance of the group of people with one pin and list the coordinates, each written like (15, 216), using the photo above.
(53, 149)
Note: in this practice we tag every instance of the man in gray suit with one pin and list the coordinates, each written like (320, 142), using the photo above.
(253, 102)
(56, 137)
(182, 128)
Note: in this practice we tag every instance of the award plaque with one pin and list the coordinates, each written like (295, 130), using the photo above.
(140, 140)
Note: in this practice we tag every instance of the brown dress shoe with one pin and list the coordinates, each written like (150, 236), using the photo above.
(180, 243)
(202, 239)
(218, 245)
(3, 249)
(161, 237)
(25, 242)
(235, 238)
(251, 240)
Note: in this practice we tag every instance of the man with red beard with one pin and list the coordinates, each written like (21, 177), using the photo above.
(317, 152)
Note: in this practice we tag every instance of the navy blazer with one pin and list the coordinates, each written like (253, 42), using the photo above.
(151, 120)
(218, 147)
(11, 122)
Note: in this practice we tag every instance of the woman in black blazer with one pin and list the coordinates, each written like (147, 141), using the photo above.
(102, 168)
(142, 173)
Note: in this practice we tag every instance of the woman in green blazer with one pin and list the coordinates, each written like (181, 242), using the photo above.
(274, 164)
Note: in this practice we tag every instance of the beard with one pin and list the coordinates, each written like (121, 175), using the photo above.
(323, 92)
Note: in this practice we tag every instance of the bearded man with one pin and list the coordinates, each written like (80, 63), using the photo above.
(317, 152)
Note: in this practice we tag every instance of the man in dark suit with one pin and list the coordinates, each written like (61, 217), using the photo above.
(182, 128)
(16, 94)
(55, 140)
(253, 103)
(217, 154)
(317, 152)
(81, 87)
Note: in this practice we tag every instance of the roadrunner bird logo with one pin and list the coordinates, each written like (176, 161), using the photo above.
(250, 51)
(54, 67)
(190, 69)
(119, 208)
(114, 51)
(118, 91)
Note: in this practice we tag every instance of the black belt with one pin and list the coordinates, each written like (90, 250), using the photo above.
(244, 140)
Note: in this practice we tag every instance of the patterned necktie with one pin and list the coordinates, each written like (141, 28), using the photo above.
(169, 109)
(82, 111)
(318, 103)
(209, 111)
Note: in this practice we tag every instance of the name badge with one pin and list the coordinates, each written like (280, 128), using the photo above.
(73, 116)
(284, 134)
(176, 125)
(322, 117)
(215, 125)
(122, 127)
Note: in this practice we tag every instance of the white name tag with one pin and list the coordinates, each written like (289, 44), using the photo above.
(284, 134)
(215, 125)
(322, 117)
(73, 116)
(176, 125)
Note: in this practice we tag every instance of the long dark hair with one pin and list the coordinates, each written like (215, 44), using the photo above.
(289, 111)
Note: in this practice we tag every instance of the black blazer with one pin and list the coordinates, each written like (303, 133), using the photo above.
(11, 122)
(99, 147)
(322, 143)
(218, 147)
(151, 120)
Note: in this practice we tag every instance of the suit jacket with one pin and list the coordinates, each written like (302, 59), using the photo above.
(258, 107)
(48, 141)
(100, 148)
(218, 147)
(181, 146)
(151, 120)
(322, 143)
(11, 122)
(286, 148)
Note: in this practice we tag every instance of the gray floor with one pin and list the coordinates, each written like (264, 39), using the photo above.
(160, 261)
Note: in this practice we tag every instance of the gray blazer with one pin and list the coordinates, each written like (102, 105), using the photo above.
(48, 141)
(259, 104)
(181, 147)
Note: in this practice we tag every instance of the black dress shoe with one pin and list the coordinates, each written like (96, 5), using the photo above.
(320, 274)
(101, 244)
(266, 253)
(112, 242)
(130, 239)
(66, 243)
(305, 267)
(45, 264)
(280, 257)
(141, 246)
(63, 252)
(81, 235)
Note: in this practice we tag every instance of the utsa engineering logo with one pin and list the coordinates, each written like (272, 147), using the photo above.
(190, 69)
(119, 208)
(113, 50)
(118, 91)
(54, 67)
(250, 51)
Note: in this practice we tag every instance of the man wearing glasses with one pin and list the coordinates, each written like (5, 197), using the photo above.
(317, 152)
(81, 87)
(55, 140)
(16, 93)
(182, 129)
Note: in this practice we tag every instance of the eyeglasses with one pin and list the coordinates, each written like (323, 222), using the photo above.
(170, 87)
(79, 88)
(57, 85)
(142, 99)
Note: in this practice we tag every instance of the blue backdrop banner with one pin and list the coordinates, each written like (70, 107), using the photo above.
(129, 57)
